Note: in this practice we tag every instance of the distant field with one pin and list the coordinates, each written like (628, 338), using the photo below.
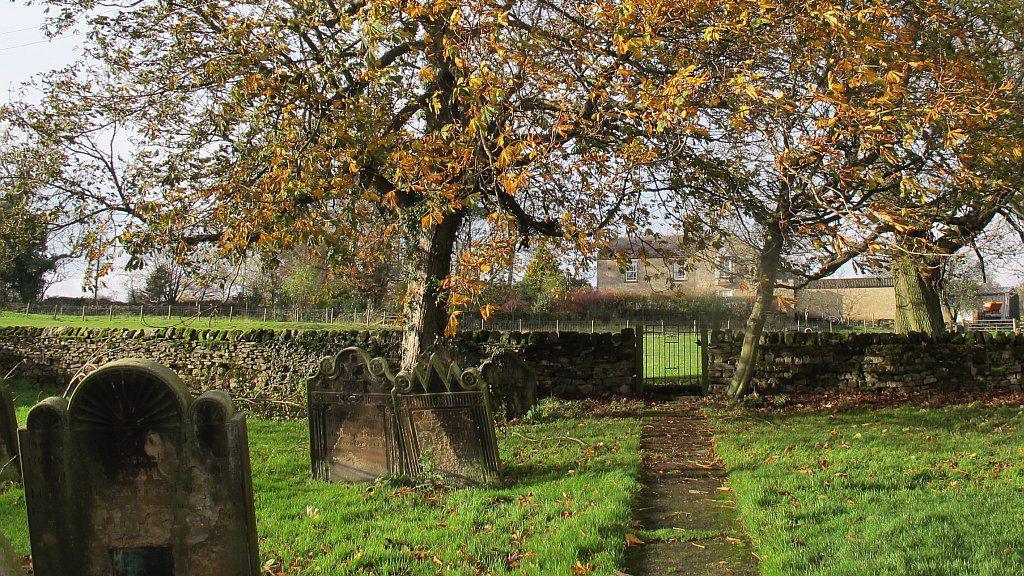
(155, 321)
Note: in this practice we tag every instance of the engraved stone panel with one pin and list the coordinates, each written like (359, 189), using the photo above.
(133, 476)
(352, 424)
(451, 435)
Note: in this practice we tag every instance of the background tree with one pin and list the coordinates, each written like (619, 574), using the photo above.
(544, 281)
(25, 260)
(165, 284)
(961, 286)
(987, 194)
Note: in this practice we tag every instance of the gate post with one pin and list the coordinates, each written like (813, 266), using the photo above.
(703, 339)
(639, 381)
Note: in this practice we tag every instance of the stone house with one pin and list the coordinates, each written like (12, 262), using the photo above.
(666, 266)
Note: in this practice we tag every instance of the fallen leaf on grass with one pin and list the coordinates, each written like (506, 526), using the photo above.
(632, 540)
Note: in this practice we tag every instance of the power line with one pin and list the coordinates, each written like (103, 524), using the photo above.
(16, 30)
(44, 41)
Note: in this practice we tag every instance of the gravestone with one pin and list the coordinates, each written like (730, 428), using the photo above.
(134, 477)
(10, 469)
(512, 382)
(446, 422)
(366, 422)
(352, 423)
(9, 565)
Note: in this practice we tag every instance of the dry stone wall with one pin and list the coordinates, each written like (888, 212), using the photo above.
(265, 370)
(793, 362)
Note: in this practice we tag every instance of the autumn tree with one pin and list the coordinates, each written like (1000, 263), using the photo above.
(839, 128)
(263, 124)
(989, 192)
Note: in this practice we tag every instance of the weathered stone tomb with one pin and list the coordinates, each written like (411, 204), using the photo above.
(132, 477)
(366, 422)
(10, 469)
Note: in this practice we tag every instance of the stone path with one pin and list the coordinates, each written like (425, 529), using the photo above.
(684, 495)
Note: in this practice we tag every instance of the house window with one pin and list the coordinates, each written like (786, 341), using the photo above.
(725, 293)
(678, 272)
(631, 271)
(725, 267)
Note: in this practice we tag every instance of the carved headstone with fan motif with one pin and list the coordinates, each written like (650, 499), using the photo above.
(132, 476)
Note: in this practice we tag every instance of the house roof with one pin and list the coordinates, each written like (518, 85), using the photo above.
(669, 246)
(862, 282)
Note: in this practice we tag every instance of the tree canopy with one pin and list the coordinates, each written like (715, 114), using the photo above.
(819, 127)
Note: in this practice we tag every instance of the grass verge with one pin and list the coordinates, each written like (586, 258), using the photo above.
(159, 321)
(896, 491)
(565, 508)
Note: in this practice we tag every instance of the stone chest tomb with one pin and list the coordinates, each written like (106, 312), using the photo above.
(366, 422)
(133, 477)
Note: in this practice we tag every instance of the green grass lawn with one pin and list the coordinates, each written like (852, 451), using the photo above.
(157, 321)
(892, 491)
(566, 505)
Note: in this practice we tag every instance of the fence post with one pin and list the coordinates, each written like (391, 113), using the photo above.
(264, 313)
(705, 362)
(54, 311)
(168, 311)
(593, 325)
(142, 312)
(27, 307)
(520, 324)
(557, 330)
(110, 312)
(83, 312)
(639, 380)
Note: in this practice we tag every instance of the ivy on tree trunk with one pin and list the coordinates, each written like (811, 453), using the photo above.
(426, 311)
(918, 306)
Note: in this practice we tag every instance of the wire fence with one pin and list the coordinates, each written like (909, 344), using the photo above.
(211, 312)
(244, 315)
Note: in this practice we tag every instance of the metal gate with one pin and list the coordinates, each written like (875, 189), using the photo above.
(673, 355)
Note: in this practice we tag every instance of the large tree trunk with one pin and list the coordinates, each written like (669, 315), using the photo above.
(426, 314)
(918, 307)
(767, 273)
